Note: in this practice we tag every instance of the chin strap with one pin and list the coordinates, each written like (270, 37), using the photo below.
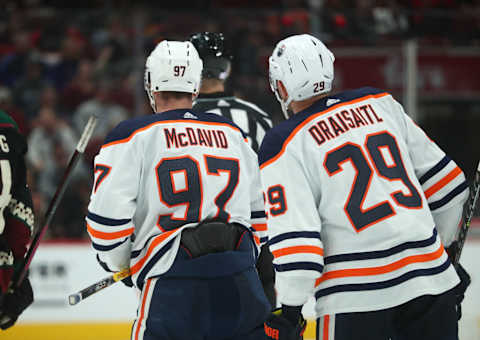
(284, 109)
(285, 105)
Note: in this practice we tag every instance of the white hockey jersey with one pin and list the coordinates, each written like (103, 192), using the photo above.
(156, 175)
(356, 193)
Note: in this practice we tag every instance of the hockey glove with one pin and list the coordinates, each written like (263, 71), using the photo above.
(6, 265)
(14, 303)
(126, 281)
(465, 279)
(461, 288)
(279, 327)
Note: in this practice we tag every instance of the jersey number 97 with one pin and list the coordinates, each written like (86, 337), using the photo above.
(191, 195)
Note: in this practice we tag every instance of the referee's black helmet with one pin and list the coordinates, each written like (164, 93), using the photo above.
(215, 54)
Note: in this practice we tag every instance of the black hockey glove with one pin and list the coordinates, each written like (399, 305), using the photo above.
(286, 323)
(14, 303)
(461, 288)
(126, 281)
(465, 279)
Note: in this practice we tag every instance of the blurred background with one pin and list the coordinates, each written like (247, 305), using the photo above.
(59, 64)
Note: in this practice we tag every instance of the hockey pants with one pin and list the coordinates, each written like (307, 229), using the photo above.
(428, 317)
(225, 308)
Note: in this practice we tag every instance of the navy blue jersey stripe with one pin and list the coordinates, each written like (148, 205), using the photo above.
(101, 247)
(135, 253)
(258, 214)
(298, 266)
(382, 253)
(128, 127)
(355, 287)
(107, 221)
(148, 266)
(294, 234)
(275, 138)
(435, 170)
(263, 239)
(451, 195)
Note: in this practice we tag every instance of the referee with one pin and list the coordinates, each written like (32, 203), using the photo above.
(213, 98)
(248, 116)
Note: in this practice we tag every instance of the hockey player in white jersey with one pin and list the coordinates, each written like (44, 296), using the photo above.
(177, 199)
(361, 204)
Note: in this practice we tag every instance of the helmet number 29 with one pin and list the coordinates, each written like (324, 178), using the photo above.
(318, 86)
(178, 71)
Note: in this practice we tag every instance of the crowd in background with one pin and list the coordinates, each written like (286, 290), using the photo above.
(59, 66)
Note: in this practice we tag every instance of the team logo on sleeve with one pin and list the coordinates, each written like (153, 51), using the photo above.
(332, 101)
(189, 115)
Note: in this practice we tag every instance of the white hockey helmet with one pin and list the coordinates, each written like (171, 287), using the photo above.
(173, 66)
(305, 67)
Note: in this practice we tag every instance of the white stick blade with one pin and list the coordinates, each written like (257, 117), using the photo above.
(87, 133)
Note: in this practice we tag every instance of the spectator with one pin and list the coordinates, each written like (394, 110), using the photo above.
(28, 88)
(389, 19)
(80, 89)
(50, 144)
(7, 105)
(109, 113)
(13, 65)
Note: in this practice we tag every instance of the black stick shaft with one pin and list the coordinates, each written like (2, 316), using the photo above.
(48, 218)
(73, 299)
(87, 133)
(468, 214)
(96, 287)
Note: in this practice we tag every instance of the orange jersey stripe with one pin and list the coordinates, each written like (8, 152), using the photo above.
(142, 311)
(326, 321)
(309, 119)
(444, 181)
(125, 140)
(381, 269)
(154, 243)
(297, 250)
(260, 227)
(257, 240)
(109, 236)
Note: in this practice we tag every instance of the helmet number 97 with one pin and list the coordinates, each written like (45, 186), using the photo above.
(178, 71)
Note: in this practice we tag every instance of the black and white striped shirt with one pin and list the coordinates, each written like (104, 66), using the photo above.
(249, 117)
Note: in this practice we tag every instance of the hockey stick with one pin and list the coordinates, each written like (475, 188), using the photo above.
(468, 214)
(82, 143)
(73, 299)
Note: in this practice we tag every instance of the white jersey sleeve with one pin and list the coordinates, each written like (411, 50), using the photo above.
(442, 181)
(117, 171)
(293, 222)
(258, 218)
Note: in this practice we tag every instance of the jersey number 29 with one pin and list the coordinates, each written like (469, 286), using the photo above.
(359, 216)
